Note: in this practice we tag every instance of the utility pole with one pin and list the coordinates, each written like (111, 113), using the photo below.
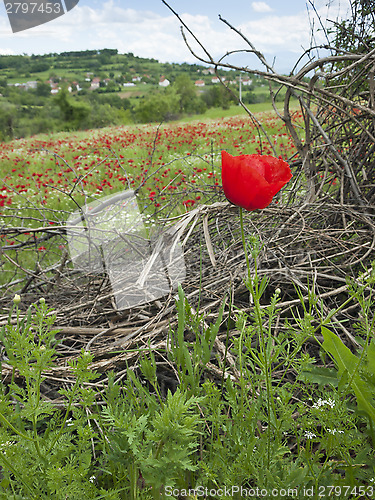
(240, 90)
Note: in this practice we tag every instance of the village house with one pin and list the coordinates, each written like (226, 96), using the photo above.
(247, 81)
(31, 85)
(74, 86)
(164, 82)
(199, 83)
(24, 86)
(95, 83)
(215, 79)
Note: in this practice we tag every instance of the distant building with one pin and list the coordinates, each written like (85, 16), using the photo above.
(31, 85)
(247, 81)
(95, 83)
(199, 83)
(164, 82)
(128, 84)
(24, 86)
(75, 85)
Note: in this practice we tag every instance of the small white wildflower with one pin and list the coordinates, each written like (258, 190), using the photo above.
(372, 480)
(92, 479)
(69, 422)
(6, 444)
(42, 300)
(322, 402)
(330, 402)
(310, 435)
(334, 431)
(277, 291)
(318, 404)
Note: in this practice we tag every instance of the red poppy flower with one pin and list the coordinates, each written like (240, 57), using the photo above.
(251, 181)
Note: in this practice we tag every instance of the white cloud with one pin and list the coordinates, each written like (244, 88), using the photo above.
(149, 34)
(286, 33)
(261, 7)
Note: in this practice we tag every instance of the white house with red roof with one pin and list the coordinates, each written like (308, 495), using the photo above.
(164, 82)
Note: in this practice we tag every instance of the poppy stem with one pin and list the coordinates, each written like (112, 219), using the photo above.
(256, 293)
(244, 244)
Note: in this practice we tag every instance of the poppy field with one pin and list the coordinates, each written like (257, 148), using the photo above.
(163, 159)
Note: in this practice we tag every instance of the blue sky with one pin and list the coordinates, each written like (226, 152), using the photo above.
(281, 30)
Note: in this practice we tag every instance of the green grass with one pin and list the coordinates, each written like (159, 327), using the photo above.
(234, 110)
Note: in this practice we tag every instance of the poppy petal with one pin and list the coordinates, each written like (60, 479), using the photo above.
(251, 181)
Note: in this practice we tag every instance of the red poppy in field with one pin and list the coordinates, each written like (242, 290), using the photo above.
(251, 181)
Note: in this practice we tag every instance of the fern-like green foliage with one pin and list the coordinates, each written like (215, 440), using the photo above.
(159, 444)
(41, 457)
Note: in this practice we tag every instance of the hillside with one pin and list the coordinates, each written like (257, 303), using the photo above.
(106, 63)
(93, 89)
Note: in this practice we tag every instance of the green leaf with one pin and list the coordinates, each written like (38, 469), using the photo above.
(343, 381)
(370, 366)
(346, 360)
(319, 375)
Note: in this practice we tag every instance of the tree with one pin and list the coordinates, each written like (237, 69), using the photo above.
(8, 113)
(73, 112)
(186, 93)
(217, 96)
(357, 33)
(157, 108)
(43, 89)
